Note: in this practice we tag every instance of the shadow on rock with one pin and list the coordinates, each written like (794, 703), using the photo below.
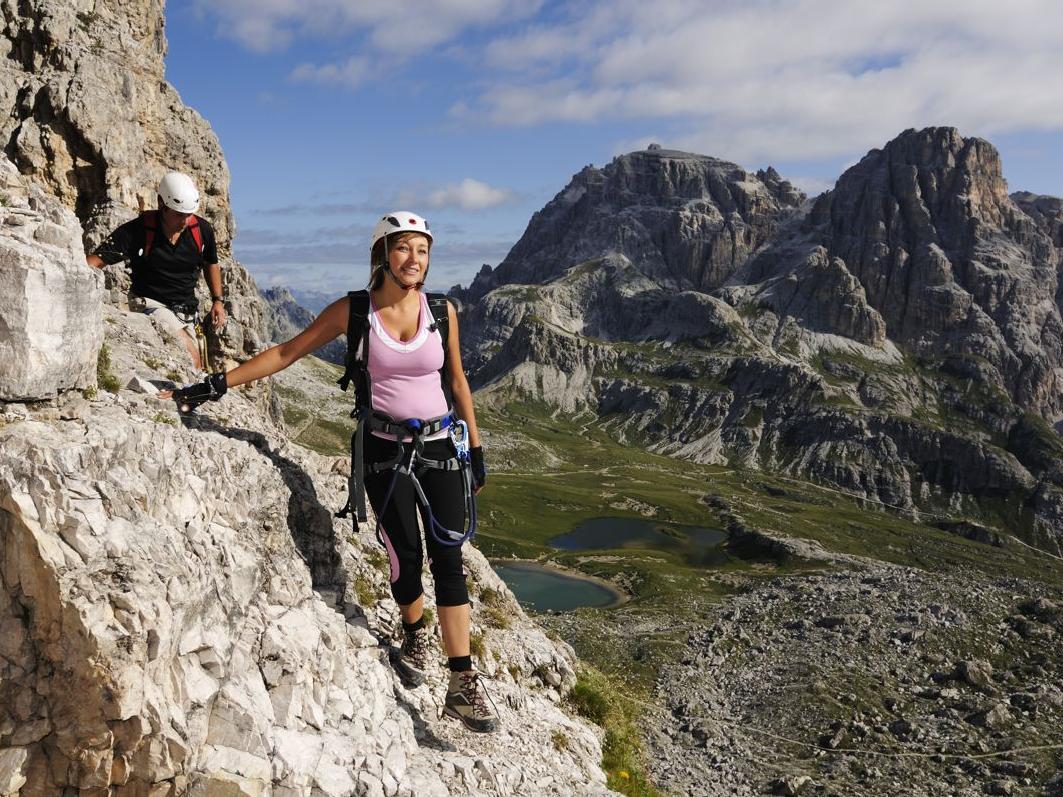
(309, 522)
(311, 527)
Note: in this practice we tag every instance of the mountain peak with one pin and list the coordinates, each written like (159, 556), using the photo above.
(685, 220)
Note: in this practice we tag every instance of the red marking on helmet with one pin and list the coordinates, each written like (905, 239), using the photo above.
(413, 222)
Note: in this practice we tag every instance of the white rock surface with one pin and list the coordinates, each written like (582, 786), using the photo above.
(161, 630)
(50, 325)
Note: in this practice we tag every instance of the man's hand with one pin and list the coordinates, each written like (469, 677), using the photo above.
(191, 396)
(218, 316)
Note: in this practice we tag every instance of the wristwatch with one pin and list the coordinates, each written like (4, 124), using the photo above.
(217, 299)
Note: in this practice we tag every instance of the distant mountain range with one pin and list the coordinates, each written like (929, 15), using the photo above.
(900, 336)
(314, 301)
(286, 317)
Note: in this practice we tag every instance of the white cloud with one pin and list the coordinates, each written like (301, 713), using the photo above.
(270, 25)
(349, 74)
(751, 82)
(783, 79)
(469, 194)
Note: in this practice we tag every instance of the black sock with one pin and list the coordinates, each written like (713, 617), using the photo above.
(459, 663)
(409, 628)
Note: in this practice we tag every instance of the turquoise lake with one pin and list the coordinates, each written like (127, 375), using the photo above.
(543, 589)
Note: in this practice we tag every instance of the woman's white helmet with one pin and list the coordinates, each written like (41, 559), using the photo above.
(178, 192)
(396, 222)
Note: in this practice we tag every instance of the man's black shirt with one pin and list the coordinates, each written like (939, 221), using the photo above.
(168, 274)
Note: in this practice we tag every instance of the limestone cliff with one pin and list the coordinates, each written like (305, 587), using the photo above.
(179, 612)
(687, 220)
(87, 114)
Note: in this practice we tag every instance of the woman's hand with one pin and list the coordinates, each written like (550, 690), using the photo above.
(191, 396)
(479, 469)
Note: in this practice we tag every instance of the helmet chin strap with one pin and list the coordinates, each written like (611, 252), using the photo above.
(400, 283)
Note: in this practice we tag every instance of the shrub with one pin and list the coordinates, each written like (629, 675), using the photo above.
(477, 646)
(364, 591)
(104, 376)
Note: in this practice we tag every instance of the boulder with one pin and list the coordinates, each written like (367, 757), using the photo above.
(51, 325)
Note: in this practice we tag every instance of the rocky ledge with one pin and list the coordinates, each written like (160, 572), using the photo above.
(180, 614)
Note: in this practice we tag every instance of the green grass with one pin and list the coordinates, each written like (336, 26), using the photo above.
(493, 609)
(105, 377)
(324, 428)
(365, 591)
(477, 646)
(596, 697)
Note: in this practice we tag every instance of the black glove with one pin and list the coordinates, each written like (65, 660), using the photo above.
(479, 470)
(210, 389)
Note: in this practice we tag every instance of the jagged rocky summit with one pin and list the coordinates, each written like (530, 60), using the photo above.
(899, 336)
(179, 613)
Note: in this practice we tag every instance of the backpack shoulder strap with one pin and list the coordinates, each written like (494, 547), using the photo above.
(357, 339)
(437, 305)
(197, 233)
(151, 224)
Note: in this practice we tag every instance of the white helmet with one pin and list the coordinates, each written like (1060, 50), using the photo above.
(399, 221)
(178, 192)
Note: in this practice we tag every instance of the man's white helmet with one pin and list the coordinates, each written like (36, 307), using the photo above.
(178, 192)
(396, 222)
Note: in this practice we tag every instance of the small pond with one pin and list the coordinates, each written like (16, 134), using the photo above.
(542, 588)
(697, 545)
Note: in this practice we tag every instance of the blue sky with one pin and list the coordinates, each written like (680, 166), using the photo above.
(475, 113)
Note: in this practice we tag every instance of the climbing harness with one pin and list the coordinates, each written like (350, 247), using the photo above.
(408, 462)
(189, 314)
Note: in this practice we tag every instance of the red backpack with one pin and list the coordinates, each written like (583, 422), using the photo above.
(151, 224)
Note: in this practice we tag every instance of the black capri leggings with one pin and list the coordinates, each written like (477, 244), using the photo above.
(398, 525)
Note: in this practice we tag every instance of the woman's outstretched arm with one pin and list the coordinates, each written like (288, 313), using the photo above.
(331, 323)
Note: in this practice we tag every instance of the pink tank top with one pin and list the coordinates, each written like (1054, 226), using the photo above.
(405, 376)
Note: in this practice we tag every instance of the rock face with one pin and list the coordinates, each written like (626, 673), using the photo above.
(687, 220)
(905, 322)
(50, 321)
(88, 112)
(88, 115)
(952, 264)
(180, 614)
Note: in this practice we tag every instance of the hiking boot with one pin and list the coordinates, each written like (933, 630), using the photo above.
(414, 655)
(467, 701)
